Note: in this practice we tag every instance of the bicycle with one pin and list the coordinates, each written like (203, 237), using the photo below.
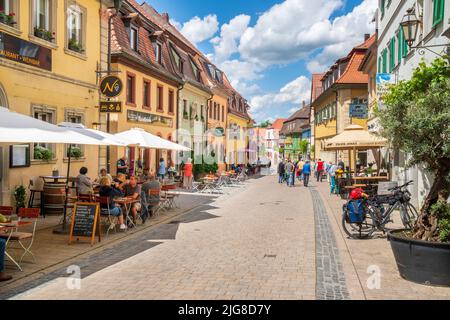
(377, 211)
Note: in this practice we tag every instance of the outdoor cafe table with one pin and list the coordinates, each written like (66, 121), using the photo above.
(209, 183)
(11, 227)
(127, 203)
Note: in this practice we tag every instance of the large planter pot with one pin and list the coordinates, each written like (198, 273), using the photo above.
(421, 261)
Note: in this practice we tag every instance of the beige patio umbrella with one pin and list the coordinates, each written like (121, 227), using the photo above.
(354, 137)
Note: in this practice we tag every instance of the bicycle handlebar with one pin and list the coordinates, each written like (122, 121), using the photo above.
(402, 186)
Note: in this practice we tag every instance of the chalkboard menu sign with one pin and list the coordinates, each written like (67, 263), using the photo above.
(85, 221)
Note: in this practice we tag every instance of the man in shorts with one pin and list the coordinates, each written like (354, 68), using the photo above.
(133, 190)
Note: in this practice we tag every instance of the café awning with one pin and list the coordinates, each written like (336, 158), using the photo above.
(143, 139)
(354, 137)
(104, 137)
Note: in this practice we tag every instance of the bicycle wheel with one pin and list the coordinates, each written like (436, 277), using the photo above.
(408, 214)
(359, 230)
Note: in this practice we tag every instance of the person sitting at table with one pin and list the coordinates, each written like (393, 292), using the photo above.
(3, 275)
(151, 184)
(133, 190)
(106, 190)
(144, 176)
(172, 172)
(103, 174)
(84, 183)
(119, 181)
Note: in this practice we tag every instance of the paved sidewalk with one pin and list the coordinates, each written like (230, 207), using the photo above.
(373, 254)
(257, 243)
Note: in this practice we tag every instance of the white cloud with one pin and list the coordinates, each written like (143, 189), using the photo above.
(227, 43)
(238, 70)
(288, 31)
(294, 92)
(198, 30)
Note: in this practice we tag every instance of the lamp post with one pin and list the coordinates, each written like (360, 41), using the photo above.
(117, 6)
(410, 26)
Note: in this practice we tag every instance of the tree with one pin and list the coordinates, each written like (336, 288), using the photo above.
(417, 120)
(265, 124)
(304, 146)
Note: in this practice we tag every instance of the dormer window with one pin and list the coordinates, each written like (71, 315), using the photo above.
(134, 38)
(196, 70)
(178, 60)
(157, 48)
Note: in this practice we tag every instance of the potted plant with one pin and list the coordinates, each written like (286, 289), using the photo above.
(7, 19)
(74, 45)
(44, 34)
(75, 152)
(41, 153)
(416, 120)
(20, 194)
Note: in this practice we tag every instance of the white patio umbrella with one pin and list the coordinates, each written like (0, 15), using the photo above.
(143, 139)
(19, 128)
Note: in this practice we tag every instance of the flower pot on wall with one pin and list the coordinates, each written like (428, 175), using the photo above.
(420, 261)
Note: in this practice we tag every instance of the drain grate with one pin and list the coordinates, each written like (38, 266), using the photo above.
(270, 256)
(290, 219)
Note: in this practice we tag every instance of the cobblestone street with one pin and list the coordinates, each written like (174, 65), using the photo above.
(266, 241)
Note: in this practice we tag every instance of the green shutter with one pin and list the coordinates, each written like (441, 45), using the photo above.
(392, 55)
(379, 64)
(405, 48)
(399, 45)
(385, 61)
(382, 8)
(438, 12)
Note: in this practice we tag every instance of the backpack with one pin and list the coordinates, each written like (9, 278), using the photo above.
(356, 194)
(355, 211)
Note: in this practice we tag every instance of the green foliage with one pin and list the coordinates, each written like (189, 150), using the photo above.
(7, 18)
(441, 210)
(417, 115)
(20, 194)
(44, 34)
(304, 146)
(75, 152)
(41, 153)
(265, 124)
(74, 45)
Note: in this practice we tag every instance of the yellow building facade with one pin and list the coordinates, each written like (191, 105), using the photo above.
(48, 65)
(217, 124)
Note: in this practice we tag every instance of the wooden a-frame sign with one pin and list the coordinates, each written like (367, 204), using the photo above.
(85, 222)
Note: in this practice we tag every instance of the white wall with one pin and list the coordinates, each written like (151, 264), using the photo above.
(388, 26)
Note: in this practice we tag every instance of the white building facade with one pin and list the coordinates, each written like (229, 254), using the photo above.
(399, 60)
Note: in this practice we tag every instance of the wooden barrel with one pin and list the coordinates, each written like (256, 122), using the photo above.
(54, 197)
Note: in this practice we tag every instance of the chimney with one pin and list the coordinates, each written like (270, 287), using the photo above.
(366, 36)
(165, 17)
(303, 104)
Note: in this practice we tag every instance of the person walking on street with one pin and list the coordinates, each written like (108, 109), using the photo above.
(162, 169)
(289, 173)
(187, 175)
(319, 170)
(306, 172)
(332, 175)
(280, 171)
(300, 165)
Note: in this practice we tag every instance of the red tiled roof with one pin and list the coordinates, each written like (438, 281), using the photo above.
(277, 124)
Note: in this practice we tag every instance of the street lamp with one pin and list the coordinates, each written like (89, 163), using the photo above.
(410, 27)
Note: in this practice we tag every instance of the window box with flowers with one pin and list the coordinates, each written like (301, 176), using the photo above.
(74, 45)
(44, 34)
(7, 19)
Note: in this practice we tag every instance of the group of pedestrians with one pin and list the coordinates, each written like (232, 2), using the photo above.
(288, 171)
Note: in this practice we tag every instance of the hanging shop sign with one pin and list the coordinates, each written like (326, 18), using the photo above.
(383, 81)
(25, 52)
(358, 110)
(149, 118)
(111, 86)
(110, 106)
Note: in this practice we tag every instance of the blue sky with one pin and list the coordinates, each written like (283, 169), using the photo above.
(270, 48)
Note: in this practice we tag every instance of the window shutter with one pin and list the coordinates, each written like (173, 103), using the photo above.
(438, 12)
(399, 45)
